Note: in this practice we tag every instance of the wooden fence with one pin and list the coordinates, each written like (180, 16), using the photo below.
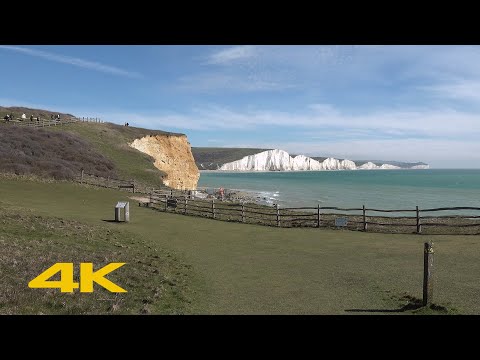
(42, 122)
(113, 183)
(51, 122)
(87, 119)
(361, 218)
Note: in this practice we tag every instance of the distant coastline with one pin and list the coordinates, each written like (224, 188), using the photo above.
(306, 171)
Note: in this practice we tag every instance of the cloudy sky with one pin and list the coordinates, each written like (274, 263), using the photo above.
(405, 103)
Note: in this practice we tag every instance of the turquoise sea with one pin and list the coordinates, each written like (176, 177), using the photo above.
(381, 189)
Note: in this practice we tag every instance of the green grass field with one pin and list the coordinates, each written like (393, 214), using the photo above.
(205, 266)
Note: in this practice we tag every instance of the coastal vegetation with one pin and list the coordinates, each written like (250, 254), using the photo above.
(217, 267)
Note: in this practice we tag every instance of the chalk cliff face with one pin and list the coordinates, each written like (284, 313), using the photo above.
(173, 155)
(279, 160)
(420, 167)
(368, 166)
(389, 166)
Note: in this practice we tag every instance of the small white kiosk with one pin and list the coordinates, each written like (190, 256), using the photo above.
(125, 205)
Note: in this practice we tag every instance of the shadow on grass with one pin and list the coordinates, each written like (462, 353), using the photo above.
(113, 221)
(414, 304)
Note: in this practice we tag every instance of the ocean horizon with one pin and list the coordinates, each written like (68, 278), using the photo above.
(381, 189)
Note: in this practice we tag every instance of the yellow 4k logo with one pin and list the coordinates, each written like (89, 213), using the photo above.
(87, 278)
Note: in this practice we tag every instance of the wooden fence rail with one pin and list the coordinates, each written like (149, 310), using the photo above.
(319, 216)
(42, 123)
(113, 183)
(51, 122)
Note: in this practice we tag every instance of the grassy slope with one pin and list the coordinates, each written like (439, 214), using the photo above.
(252, 269)
(59, 155)
(29, 244)
(112, 141)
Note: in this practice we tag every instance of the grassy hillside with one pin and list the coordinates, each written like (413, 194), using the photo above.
(59, 155)
(156, 280)
(61, 152)
(112, 140)
(217, 267)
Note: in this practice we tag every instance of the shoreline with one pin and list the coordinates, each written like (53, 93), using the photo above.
(236, 195)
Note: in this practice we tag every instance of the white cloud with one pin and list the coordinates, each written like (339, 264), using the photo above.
(208, 82)
(421, 122)
(468, 90)
(73, 61)
(231, 54)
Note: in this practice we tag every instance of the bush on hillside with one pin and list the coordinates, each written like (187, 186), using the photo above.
(59, 155)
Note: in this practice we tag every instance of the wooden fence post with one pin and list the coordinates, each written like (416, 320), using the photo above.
(185, 208)
(278, 215)
(318, 216)
(166, 200)
(419, 227)
(365, 226)
(428, 274)
(171, 192)
(82, 177)
(133, 186)
(243, 212)
(213, 208)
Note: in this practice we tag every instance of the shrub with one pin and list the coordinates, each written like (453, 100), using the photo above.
(55, 155)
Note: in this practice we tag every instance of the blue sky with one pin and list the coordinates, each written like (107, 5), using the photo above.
(405, 103)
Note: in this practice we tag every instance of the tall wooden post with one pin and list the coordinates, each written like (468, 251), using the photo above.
(166, 200)
(213, 208)
(419, 227)
(185, 208)
(171, 192)
(243, 212)
(428, 274)
(278, 215)
(133, 188)
(365, 226)
(82, 177)
(318, 216)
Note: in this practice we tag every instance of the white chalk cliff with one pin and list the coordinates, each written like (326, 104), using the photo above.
(368, 166)
(420, 167)
(279, 160)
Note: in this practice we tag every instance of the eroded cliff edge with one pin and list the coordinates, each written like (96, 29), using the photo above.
(173, 155)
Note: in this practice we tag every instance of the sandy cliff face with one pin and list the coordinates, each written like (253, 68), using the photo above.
(173, 155)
